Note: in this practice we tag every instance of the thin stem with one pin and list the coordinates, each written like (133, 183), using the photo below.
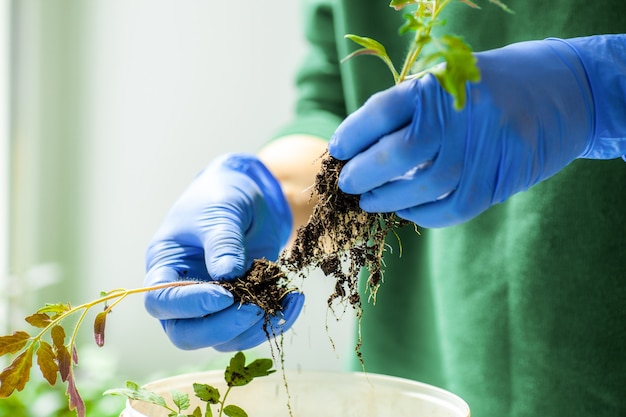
(417, 47)
(411, 57)
(116, 302)
(76, 327)
(223, 402)
(119, 294)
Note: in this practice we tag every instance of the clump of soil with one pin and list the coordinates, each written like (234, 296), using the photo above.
(264, 285)
(339, 238)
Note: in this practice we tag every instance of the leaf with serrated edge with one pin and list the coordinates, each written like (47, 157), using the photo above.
(400, 4)
(206, 393)
(260, 367)
(99, 324)
(135, 392)
(459, 69)
(16, 375)
(13, 343)
(235, 374)
(181, 400)
(39, 320)
(58, 308)
(46, 362)
(234, 411)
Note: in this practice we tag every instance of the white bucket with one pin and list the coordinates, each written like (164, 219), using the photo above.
(314, 394)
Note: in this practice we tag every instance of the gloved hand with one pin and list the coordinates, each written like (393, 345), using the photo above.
(232, 213)
(539, 105)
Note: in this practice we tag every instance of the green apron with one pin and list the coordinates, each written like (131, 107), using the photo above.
(521, 311)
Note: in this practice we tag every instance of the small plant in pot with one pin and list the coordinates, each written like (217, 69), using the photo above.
(310, 394)
(339, 238)
(237, 374)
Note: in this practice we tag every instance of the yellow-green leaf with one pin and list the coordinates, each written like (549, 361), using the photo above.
(13, 343)
(206, 393)
(371, 47)
(401, 4)
(260, 367)
(181, 400)
(134, 392)
(460, 69)
(234, 411)
(235, 374)
(16, 375)
(55, 309)
(46, 361)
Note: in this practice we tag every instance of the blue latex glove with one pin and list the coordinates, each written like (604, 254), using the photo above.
(232, 213)
(539, 105)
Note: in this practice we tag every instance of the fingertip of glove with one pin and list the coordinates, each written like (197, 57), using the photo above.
(226, 267)
(334, 147)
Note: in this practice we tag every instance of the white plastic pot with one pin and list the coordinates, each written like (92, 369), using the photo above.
(315, 394)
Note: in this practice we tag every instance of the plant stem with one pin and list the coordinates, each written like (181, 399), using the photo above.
(223, 402)
(117, 295)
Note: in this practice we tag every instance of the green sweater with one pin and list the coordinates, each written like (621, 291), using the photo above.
(521, 311)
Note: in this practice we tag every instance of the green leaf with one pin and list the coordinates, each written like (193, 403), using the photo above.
(411, 24)
(135, 392)
(55, 309)
(260, 367)
(46, 362)
(371, 47)
(13, 343)
(238, 374)
(197, 412)
(235, 374)
(234, 411)
(181, 400)
(39, 320)
(401, 4)
(16, 375)
(207, 393)
(460, 68)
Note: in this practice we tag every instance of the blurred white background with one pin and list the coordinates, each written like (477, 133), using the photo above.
(113, 107)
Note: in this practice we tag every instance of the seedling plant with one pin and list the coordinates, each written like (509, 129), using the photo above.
(237, 374)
